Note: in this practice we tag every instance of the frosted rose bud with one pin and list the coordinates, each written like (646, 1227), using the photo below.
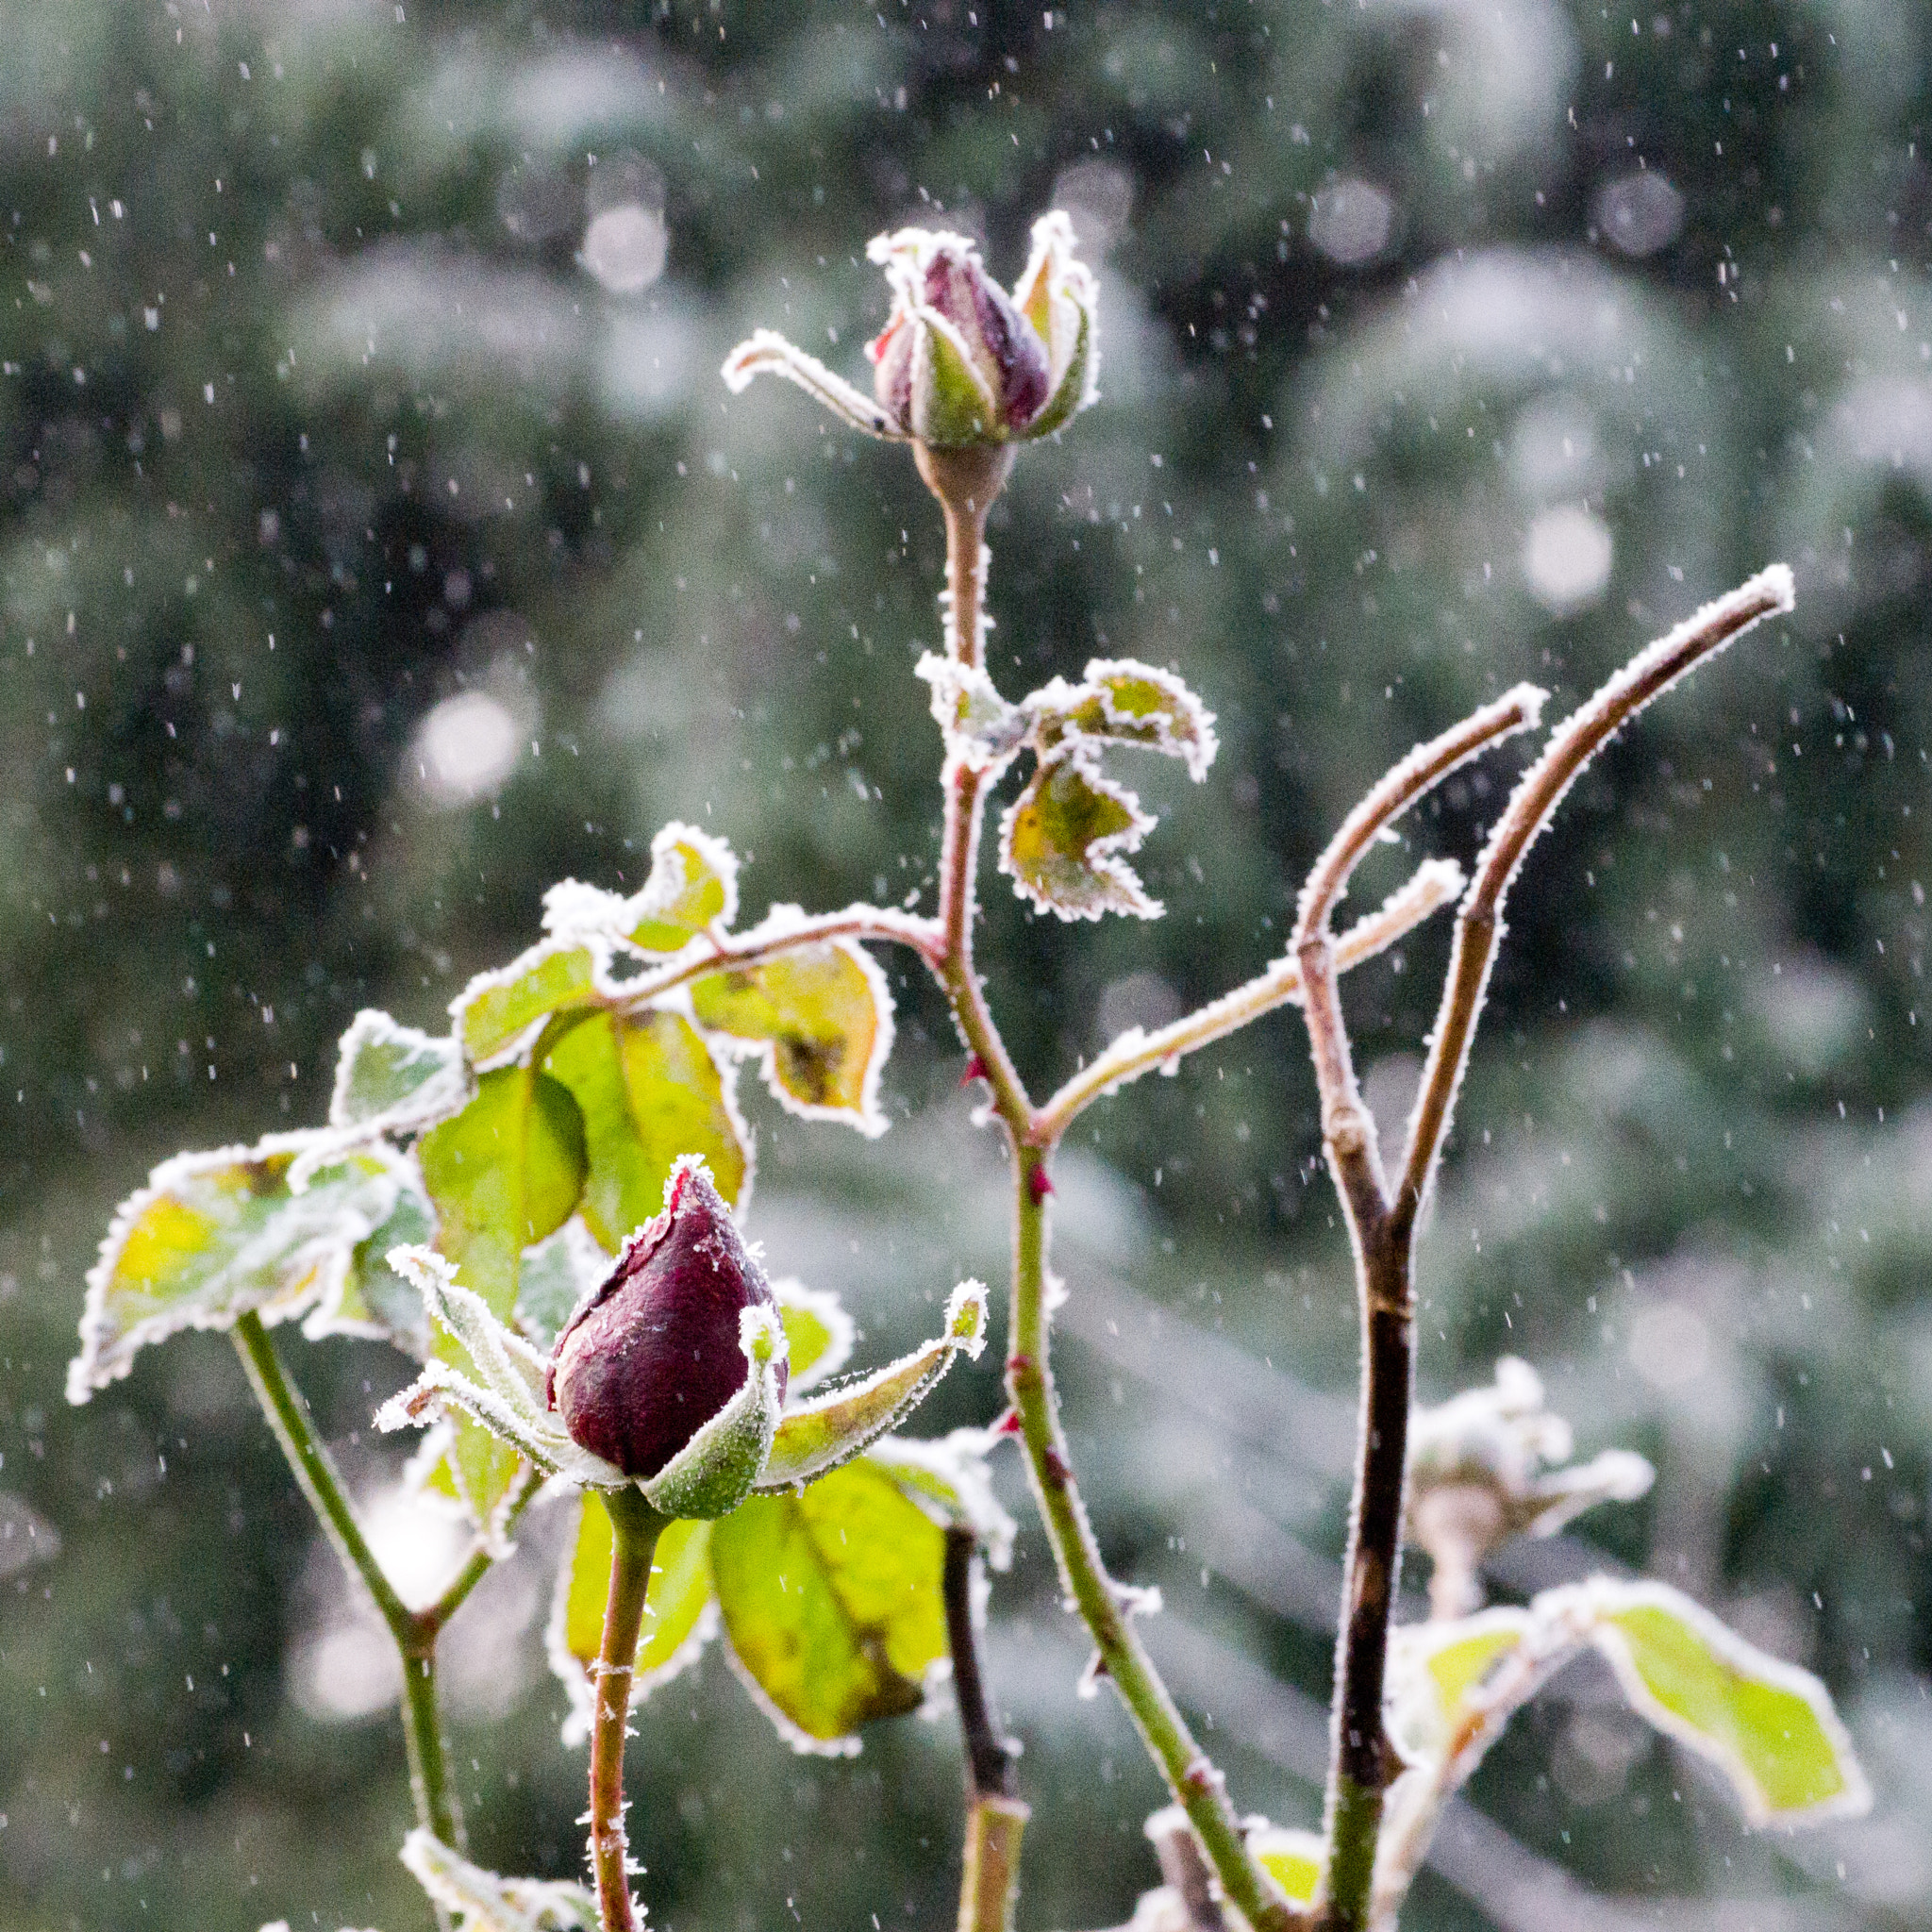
(656, 1352)
(960, 363)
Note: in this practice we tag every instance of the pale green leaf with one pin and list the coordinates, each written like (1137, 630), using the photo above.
(680, 1615)
(831, 1602)
(393, 1078)
(1061, 840)
(553, 1276)
(485, 1902)
(821, 1018)
(498, 1013)
(649, 1090)
(505, 1172)
(949, 1479)
(819, 1433)
(215, 1236)
(1767, 1724)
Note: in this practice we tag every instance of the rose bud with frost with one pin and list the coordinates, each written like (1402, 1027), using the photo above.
(656, 1353)
(960, 363)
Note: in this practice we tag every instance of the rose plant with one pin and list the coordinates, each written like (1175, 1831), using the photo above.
(541, 1208)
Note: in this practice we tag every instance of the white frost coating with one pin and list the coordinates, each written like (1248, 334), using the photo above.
(573, 910)
(982, 730)
(491, 1904)
(1103, 856)
(779, 924)
(765, 352)
(824, 1306)
(298, 1261)
(428, 1081)
(1195, 745)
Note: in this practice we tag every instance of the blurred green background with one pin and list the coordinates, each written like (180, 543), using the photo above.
(377, 546)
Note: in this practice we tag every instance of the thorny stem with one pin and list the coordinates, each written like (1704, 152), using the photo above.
(414, 1632)
(965, 491)
(995, 1817)
(636, 1528)
(1382, 1224)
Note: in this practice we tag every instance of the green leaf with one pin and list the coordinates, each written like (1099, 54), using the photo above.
(649, 1090)
(831, 1601)
(1062, 839)
(818, 1435)
(214, 1236)
(1293, 1859)
(373, 1301)
(1768, 1725)
(822, 1018)
(485, 1902)
(498, 1012)
(504, 1174)
(679, 1617)
(818, 1332)
(949, 1479)
(1123, 701)
(692, 886)
(392, 1078)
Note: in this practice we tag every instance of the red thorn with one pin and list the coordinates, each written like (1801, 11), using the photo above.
(1009, 1425)
(1038, 1185)
(975, 1070)
(1057, 1470)
(1018, 1364)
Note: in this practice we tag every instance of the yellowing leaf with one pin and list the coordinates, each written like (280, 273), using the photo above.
(498, 1012)
(692, 886)
(679, 1617)
(1125, 702)
(831, 1603)
(373, 1300)
(821, 1018)
(1767, 1724)
(1061, 840)
(1292, 1859)
(649, 1090)
(214, 1235)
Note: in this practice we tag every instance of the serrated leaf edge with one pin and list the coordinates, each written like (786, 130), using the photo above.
(1104, 855)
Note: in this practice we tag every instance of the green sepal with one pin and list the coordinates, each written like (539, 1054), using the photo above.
(951, 405)
(218, 1235)
(715, 1471)
(1070, 394)
(819, 1433)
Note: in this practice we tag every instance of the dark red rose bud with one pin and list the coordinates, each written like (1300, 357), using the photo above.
(654, 1354)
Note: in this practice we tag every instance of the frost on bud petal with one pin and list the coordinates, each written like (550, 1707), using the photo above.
(1058, 297)
(661, 1349)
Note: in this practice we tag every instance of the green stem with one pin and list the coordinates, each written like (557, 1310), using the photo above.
(414, 1633)
(636, 1527)
(1197, 1785)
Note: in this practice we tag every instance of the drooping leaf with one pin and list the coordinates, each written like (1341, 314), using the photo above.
(392, 1078)
(822, 1018)
(949, 1479)
(214, 1235)
(1292, 1859)
(373, 1301)
(648, 1089)
(831, 1601)
(679, 1615)
(817, 1328)
(1061, 840)
(819, 1433)
(505, 1172)
(692, 886)
(485, 1902)
(1124, 702)
(498, 1013)
(1767, 1724)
